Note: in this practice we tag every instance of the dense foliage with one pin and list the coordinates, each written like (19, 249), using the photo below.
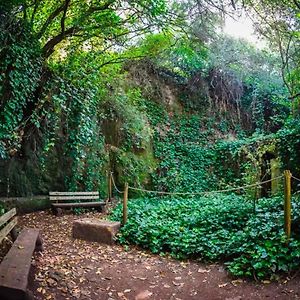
(216, 227)
(82, 83)
(154, 92)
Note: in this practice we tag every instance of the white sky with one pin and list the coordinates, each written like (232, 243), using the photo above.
(242, 27)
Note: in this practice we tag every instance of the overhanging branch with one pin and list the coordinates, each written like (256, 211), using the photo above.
(62, 22)
(297, 3)
(48, 49)
(49, 20)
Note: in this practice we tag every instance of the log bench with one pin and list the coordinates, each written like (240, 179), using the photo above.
(15, 267)
(60, 200)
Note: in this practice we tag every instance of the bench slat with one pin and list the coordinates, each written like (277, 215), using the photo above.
(15, 266)
(4, 218)
(65, 198)
(79, 204)
(8, 228)
(73, 193)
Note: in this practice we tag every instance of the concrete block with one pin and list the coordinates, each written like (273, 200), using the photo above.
(95, 230)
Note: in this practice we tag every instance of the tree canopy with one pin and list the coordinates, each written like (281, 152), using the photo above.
(75, 72)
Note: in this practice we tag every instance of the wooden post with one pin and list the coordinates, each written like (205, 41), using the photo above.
(109, 186)
(287, 203)
(125, 208)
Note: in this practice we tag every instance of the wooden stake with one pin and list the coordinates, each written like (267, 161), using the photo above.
(125, 208)
(287, 203)
(109, 186)
(107, 181)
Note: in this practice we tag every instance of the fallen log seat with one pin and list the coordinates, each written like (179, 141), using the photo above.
(61, 200)
(15, 267)
(95, 230)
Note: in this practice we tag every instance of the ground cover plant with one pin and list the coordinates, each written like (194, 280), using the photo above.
(216, 228)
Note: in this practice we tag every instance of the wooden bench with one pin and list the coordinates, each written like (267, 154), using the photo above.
(15, 267)
(61, 200)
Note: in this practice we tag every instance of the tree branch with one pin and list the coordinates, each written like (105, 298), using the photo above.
(48, 49)
(121, 59)
(104, 6)
(233, 4)
(49, 46)
(52, 16)
(36, 4)
(297, 3)
(62, 22)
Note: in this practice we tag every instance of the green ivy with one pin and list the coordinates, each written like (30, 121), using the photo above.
(20, 75)
(214, 228)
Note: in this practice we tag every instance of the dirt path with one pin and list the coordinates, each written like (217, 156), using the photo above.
(74, 269)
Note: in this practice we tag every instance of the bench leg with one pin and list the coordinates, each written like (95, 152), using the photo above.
(14, 234)
(99, 209)
(39, 244)
(57, 211)
(53, 209)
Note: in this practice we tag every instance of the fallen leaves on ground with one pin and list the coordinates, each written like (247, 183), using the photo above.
(73, 269)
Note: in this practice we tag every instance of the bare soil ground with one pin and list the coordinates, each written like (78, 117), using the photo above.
(75, 269)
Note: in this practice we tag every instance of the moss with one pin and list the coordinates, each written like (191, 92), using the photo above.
(136, 168)
(148, 159)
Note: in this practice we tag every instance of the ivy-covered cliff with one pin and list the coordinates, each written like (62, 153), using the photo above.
(169, 111)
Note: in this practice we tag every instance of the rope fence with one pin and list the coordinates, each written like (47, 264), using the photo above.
(287, 195)
(297, 179)
(207, 192)
(258, 184)
(114, 184)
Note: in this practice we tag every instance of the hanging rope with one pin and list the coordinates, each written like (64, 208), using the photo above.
(114, 184)
(208, 192)
(296, 178)
(199, 193)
